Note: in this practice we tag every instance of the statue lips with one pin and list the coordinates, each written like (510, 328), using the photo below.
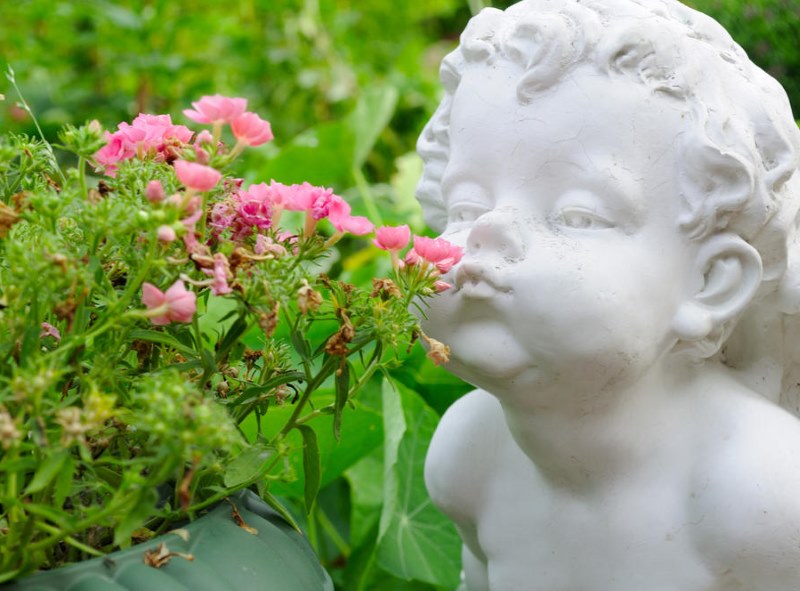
(478, 282)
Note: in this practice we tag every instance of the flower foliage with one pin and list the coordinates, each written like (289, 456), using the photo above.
(150, 312)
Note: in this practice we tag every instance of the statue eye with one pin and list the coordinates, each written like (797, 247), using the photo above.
(460, 213)
(584, 219)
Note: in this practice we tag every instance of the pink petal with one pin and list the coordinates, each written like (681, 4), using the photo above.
(152, 297)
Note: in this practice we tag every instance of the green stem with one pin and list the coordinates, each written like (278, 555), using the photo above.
(82, 175)
(327, 369)
(11, 76)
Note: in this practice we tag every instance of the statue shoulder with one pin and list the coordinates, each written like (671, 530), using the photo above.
(750, 499)
(461, 454)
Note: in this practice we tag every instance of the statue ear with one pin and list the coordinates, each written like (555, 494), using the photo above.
(729, 271)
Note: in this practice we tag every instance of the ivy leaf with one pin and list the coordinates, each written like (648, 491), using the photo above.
(415, 540)
(312, 470)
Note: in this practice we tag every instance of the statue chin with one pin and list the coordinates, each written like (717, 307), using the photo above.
(484, 353)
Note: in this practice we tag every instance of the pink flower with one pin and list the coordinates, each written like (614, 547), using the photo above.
(304, 197)
(338, 211)
(251, 130)
(48, 330)
(154, 192)
(177, 304)
(196, 176)
(436, 251)
(166, 234)
(356, 225)
(392, 238)
(204, 137)
(216, 108)
(440, 286)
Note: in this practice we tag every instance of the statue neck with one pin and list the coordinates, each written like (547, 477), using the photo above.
(582, 439)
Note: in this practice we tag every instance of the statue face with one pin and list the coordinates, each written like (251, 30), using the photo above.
(567, 208)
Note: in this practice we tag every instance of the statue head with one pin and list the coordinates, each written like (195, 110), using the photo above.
(629, 160)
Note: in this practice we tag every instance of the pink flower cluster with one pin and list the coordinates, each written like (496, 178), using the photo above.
(248, 128)
(260, 206)
(435, 251)
(437, 254)
(147, 135)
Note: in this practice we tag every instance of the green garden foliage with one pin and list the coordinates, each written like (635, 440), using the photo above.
(347, 86)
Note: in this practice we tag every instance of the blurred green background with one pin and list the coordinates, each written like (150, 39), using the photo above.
(347, 85)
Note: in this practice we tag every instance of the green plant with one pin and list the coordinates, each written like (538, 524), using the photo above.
(125, 406)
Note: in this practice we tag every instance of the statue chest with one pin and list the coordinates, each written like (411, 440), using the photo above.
(539, 538)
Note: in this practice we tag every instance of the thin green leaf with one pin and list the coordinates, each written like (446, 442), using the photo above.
(163, 338)
(312, 469)
(342, 393)
(300, 344)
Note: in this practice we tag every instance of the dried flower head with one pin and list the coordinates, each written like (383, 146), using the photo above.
(308, 300)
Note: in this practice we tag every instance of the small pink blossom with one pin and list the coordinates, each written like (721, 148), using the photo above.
(304, 198)
(177, 304)
(154, 192)
(254, 206)
(201, 155)
(147, 135)
(196, 176)
(392, 238)
(213, 109)
(204, 137)
(166, 234)
(436, 251)
(251, 130)
(338, 211)
(48, 330)
(440, 286)
(220, 275)
(356, 225)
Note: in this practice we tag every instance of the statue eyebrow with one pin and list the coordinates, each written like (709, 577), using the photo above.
(612, 183)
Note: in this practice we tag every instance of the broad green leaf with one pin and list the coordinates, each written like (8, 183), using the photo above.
(311, 465)
(321, 155)
(247, 466)
(362, 432)
(370, 117)
(415, 540)
(366, 497)
(47, 471)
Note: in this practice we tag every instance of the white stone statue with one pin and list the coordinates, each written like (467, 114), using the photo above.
(622, 179)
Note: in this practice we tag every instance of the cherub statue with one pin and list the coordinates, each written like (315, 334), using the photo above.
(622, 179)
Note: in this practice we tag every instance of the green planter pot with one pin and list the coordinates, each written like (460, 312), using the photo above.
(226, 557)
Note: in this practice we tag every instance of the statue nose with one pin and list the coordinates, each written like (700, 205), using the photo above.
(497, 233)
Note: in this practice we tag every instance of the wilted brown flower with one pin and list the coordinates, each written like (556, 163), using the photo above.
(8, 217)
(308, 300)
(438, 352)
(385, 288)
